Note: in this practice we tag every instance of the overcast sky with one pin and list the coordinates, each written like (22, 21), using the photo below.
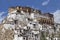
(52, 6)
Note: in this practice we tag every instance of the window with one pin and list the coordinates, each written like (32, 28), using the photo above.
(32, 34)
(24, 38)
(15, 21)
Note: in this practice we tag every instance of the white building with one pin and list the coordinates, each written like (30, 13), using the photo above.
(28, 23)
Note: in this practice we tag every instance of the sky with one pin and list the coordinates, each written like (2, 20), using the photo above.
(52, 6)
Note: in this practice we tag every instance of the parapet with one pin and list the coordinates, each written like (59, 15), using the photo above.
(25, 9)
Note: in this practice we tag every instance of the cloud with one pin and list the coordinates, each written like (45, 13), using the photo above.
(1, 17)
(45, 2)
(57, 16)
